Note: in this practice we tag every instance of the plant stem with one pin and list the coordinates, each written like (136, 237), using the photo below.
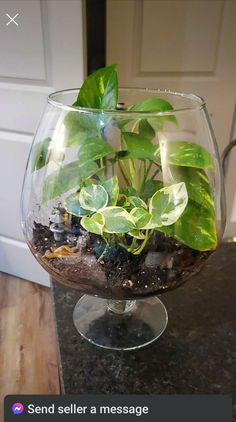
(123, 172)
(130, 174)
(140, 176)
(147, 172)
(133, 175)
(131, 247)
(104, 252)
(142, 246)
(134, 126)
(155, 173)
(102, 168)
(144, 168)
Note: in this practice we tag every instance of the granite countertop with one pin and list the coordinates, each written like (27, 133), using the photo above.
(195, 355)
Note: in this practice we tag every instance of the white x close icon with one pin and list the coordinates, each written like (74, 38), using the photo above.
(12, 19)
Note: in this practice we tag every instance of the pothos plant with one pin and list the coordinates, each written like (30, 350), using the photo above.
(128, 211)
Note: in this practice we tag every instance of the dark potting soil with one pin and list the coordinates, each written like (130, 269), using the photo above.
(112, 272)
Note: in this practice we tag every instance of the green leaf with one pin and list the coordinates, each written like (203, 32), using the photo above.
(80, 126)
(150, 105)
(123, 201)
(149, 188)
(66, 178)
(40, 154)
(112, 188)
(121, 122)
(99, 90)
(141, 217)
(92, 180)
(93, 149)
(137, 234)
(146, 130)
(73, 206)
(93, 197)
(155, 105)
(158, 122)
(197, 184)
(135, 201)
(187, 154)
(93, 224)
(128, 191)
(139, 147)
(167, 205)
(195, 228)
(117, 220)
(86, 171)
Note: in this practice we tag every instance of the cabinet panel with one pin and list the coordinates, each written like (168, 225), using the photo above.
(22, 46)
(173, 31)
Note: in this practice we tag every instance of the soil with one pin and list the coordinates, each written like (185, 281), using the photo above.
(163, 265)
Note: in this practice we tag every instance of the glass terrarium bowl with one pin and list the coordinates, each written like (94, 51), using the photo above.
(123, 205)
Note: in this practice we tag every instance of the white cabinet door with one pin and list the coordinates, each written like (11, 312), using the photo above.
(230, 177)
(182, 45)
(41, 53)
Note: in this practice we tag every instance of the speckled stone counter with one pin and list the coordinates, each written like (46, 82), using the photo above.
(196, 354)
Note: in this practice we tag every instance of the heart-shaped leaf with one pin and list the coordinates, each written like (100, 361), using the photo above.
(81, 126)
(141, 217)
(93, 224)
(167, 205)
(187, 154)
(156, 105)
(197, 184)
(93, 197)
(195, 228)
(66, 178)
(99, 90)
(152, 105)
(112, 188)
(117, 220)
(93, 149)
(135, 201)
(139, 147)
(73, 206)
(146, 130)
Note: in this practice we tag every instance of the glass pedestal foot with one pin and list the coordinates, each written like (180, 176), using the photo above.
(120, 324)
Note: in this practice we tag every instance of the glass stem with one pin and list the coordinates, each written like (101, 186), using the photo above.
(121, 306)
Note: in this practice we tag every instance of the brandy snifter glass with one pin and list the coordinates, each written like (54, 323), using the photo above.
(123, 205)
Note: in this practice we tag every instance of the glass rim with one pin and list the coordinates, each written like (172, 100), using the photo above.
(198, 100)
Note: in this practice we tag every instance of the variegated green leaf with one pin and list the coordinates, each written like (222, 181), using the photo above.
(117, 220)
(73, 206)
(141, 217)
(112, 188)
(93, 224)
(167, 205)
(93, 197)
